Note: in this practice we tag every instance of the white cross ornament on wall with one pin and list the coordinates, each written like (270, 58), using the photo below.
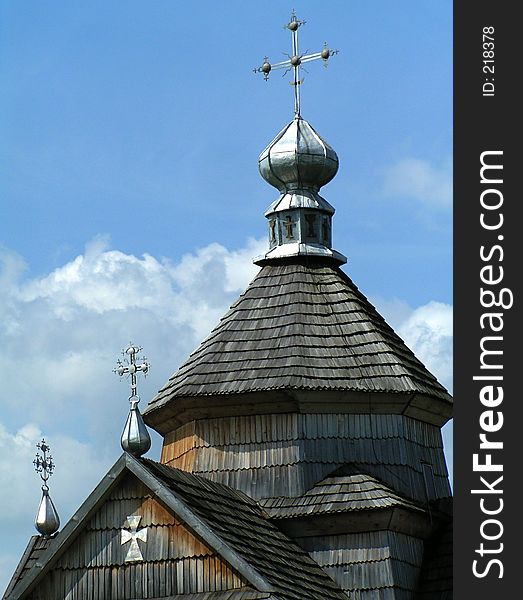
(133, 535)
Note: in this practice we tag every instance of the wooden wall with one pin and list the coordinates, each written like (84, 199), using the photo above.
(286, 454)
(175, 562)
(381, 565)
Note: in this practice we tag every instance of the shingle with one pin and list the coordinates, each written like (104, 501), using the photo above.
(436, 573)
(241, 522)
(300, 327)
(338, 493)
(36, 546)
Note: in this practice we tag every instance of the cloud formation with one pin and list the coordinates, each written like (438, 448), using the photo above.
(60, 335)
(428, 332)
(419, 180)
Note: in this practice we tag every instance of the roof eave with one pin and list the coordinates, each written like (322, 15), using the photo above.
(173, 411)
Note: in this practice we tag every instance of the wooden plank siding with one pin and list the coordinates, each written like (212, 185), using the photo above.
(370, 566)
(286, 454)
(436, 575)
(175, 561)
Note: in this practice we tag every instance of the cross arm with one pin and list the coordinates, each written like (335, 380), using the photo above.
(126, 536)
(142, 535)
(323, 54)
(318, 55)
(284, 64)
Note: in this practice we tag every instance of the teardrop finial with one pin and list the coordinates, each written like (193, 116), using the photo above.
(135, 437)
(47, 521)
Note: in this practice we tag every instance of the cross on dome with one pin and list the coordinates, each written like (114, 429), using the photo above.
(298, 162)
(131, 367)
(135, 437)
(295, 61)
(47, 520)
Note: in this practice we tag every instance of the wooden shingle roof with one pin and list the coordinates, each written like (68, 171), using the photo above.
(300, 327)
(336, 494)
(240, 523)
(36, 546)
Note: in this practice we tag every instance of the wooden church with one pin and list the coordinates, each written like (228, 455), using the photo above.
(302, 454)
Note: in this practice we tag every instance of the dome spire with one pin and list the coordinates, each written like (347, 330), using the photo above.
(47, 521)
(298, 162)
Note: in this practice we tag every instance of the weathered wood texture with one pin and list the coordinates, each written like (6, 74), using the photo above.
(243, 525)
(175, 561)
(337, 494)
(92, 565)
(370, 566)
(242, 594)
(35, 548)
(301, 327)
(436, 581)
(287, 454)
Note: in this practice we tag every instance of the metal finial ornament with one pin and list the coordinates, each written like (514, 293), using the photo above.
(135, 437)
(130, 365)
(295, 61)
(47, 521)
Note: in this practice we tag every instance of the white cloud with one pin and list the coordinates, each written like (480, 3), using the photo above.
(61, 332)
(428, 332)
(419, 180)
(60, 335)
(78, 471)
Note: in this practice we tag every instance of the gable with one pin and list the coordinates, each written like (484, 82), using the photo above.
(98, 565)
(201, 535)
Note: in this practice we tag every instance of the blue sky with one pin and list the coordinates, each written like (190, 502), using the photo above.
(131, 204)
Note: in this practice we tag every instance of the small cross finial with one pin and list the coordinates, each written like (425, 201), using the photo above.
(47, 521)
(135, 437)
(43, 462)
(131, 366)
(295, 61)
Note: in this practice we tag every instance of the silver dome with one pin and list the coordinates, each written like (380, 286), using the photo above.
(135, 437)
(47, 521)
(298, 158)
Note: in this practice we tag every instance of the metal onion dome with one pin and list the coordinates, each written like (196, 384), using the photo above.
(298, 162)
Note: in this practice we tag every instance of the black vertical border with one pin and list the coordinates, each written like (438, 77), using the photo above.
(483, 124)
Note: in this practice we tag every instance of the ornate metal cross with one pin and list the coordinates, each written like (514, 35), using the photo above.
(43, 463)
(134, 553)
(295, 61)
(131, 367)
